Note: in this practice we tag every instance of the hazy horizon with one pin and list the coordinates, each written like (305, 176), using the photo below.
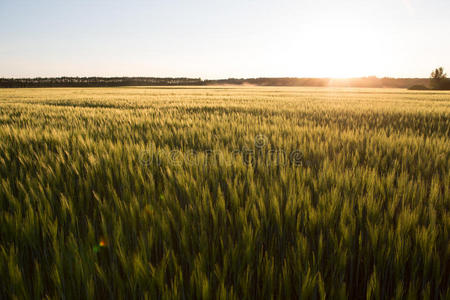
(219, 78)
(213, 40)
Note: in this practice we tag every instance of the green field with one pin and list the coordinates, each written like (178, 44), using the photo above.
(224, 193)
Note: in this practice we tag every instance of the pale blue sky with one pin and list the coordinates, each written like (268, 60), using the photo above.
(221, 39)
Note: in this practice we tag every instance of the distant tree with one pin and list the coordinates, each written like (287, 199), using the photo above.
(438, 78)
(418, 87)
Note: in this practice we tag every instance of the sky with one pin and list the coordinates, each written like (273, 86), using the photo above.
(223, 39)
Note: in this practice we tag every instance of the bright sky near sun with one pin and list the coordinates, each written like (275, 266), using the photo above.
(221, 39)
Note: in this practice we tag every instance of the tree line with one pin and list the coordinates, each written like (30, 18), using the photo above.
(439, 82)
(95, 82)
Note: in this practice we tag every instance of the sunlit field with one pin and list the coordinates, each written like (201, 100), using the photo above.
(224, 193)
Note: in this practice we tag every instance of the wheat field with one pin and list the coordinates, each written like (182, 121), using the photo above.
(224, 193)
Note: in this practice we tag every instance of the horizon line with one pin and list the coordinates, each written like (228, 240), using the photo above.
(212, 79)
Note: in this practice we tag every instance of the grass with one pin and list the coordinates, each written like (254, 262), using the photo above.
(224, 193)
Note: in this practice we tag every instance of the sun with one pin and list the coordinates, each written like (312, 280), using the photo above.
(342, 51)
